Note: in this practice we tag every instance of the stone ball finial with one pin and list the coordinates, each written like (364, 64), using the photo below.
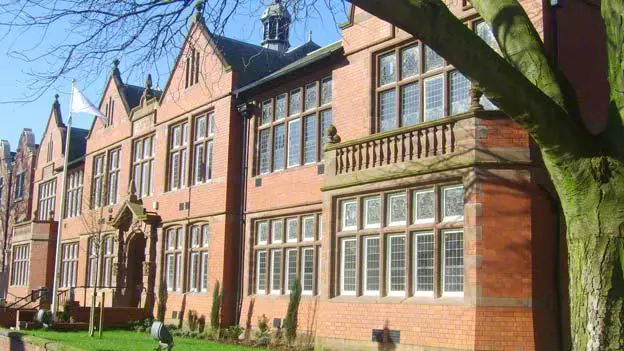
(116, 63)
(56, 97)
(475, 97)
(199, 7)
(332, 135)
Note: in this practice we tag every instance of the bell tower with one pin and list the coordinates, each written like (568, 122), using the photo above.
(276, 22)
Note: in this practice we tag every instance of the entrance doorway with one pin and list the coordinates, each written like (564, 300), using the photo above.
(134, 275)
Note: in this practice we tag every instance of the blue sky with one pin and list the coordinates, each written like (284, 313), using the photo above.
(14, 79)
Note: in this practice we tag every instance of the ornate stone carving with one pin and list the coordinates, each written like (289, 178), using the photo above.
(475, 97)
(147, 268)
(332, 135)
(116, 268)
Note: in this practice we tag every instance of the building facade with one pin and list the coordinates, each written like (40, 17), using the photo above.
(370, 170)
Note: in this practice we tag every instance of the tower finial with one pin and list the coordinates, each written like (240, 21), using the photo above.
(147, 93)
(199, 8)
(56, 97)
(116, 68)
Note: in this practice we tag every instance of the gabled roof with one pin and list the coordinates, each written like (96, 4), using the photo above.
(134, 93)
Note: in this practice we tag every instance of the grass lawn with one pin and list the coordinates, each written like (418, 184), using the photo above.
(118, 340)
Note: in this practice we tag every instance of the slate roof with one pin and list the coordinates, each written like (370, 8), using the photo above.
(77, 144)
(134, 93)
(253, 62)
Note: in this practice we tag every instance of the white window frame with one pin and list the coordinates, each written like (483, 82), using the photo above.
(415, 290)
(272, 289)
(415, 206)
(343, 291)
(389, 290)
(389, 220)
(303, 228)
(443, 264)
(365, 215)
(365, 268)
(308, 292)
(446, 218)
(343, 211)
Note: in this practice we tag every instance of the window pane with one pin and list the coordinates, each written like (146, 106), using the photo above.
(460, 93)
(263, 147)
(291, 270)
(349, 215)
(423, 206)
(410, 104)
(484, 31)
(309, 139)
(280, 107)
(397, 209)
(387, 110)
(261, 272)
(295, 102)
(423, 263)
(348, 263)
(276, 231)
(308, 228)
(371, 269)
(487, 103)
(210, 147)
(310, 96)
(204, 271)
(396, 264)
(276, 271)
(410, 61)
(432, 60)
(387, 69)
(263, 229)
(200, 128)
(279, 143)
(205, 235)
(199, 167)
(326, 91)
(211, 124)
(294, 143)
(372, 212)
(453, 262)
(291, 229)
(453, 202)
(267, 112)
(434, 97)
(307, 271)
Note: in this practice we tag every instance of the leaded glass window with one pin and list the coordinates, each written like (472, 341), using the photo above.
(432, 60)
(424, 206)
(291, 268)
(453, 262)
(292, 226)
(410, 104)
(280, 107)
(397, 209)
(307, 271)
(348, 271)
(371, 265)
(453, 203)
(434, 97)
(263, 146)
(460, 93)
(294, 106)
(308, 228)
(396, 265)
(294, 143)
(423, 263)
(387, 69)
(349, 215)
(387, 110)
(276, 271)
(261, 270)
(372, 212)
(276, 231)
(410, 61)
(326, 91)
(263, 232)
(267, 112)
(311, 96)
(309, 139)
(279, 147)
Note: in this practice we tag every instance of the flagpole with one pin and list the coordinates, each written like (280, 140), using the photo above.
(57, 279)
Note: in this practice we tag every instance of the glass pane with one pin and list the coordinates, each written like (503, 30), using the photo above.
(291, 229)
(453, 262)
(387, 110)
(372, 212)
(348, 266)
(460, 93)
(487, 103)
(310, 96)
(387, 69)
(397, 209)
(349, 215)
(279, 144)
(276, 231)
(326, 91)
(410, 61)
(308, 270)
(410, 104)
(200, 128)
(267, 112)
(295, 102)
(434, 97)
(309, 139)
(372, 265)
(423, 263)
(294, 143)
(308, 228)
(396, 263)
(326, 121)
(261, 272)
(291, 273)
(484, 31)
(263, 148)
(423, 206)
(263, 230)
(432, 60)
(205, 235)
(211, 124)
(276, 270)
(453, 202)
(280, 107)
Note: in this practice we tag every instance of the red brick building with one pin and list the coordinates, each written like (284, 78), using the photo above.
(368, 169)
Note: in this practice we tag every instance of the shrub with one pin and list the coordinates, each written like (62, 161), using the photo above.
(201, 324)
(192, 320)
(232, 332)
(66, 314)
(290, 322)
(216, 307)
(263, 327)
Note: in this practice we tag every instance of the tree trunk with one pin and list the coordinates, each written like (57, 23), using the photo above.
(592, 195)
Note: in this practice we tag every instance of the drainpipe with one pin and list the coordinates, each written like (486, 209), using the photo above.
(6, 220)
(244, 110)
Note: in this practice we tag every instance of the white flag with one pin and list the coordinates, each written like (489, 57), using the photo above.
(80, 103)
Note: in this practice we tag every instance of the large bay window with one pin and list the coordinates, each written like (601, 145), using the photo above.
(47, 200)
(291, 127)
(389, 246)
(282, 257)
(143, 166)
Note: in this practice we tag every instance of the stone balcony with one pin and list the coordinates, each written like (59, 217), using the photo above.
(470, 139)
(34, 230)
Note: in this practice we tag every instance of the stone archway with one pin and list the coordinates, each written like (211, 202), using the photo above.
(135, 258)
